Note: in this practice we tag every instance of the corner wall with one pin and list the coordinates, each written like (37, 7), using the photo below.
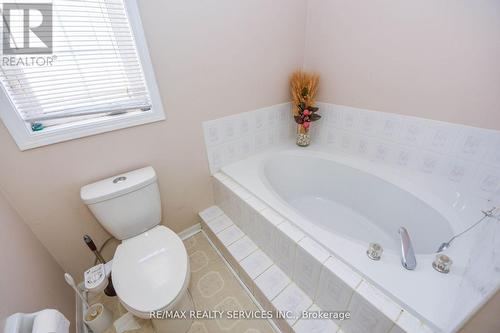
(31, 278)
(435, 59)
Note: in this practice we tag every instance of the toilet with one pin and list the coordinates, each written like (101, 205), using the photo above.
(150, 269)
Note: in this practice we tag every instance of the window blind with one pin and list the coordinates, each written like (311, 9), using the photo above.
(96, 68)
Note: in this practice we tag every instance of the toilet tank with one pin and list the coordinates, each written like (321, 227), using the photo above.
(126, 205)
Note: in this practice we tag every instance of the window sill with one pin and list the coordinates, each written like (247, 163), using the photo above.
(84, 128)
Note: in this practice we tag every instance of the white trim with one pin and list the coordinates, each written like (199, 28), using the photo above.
(26, 139)
(191, 231)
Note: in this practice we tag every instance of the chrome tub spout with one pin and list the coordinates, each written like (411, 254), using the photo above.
(408, 259)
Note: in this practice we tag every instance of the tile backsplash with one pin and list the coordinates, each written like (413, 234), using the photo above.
(236, 137)
(466, 158)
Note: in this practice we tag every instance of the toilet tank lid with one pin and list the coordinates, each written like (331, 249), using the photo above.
(116, 186)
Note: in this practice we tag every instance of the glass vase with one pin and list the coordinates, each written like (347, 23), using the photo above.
(303, 136)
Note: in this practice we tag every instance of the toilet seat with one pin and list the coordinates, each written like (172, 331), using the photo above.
(151, 271)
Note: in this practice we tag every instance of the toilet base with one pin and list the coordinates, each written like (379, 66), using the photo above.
(176, 325)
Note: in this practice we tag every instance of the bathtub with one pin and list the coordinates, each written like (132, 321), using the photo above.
(344, 204)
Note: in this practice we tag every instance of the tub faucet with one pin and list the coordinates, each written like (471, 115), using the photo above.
(408, 259)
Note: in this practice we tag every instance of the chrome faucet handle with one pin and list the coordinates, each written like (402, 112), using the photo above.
(408, 259)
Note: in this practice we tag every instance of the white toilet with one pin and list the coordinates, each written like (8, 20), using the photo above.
(150, 267)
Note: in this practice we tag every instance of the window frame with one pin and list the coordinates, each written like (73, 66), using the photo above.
(27, 139)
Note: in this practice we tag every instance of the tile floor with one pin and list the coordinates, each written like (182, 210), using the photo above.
(213, 287)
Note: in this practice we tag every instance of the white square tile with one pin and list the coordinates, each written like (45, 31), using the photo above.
(272, 216)
(285, 243)
(272, 136)
(231, 152)
(256, 264)
(284, 134)
(250, 215)
(336, 285)
(457, 170)
(350, 119)
(272, 282)
(210, 213)
(244, 219)
(229, 183)
(413, 131)
(471, 144)
(241, 192)
(220, 176)
(292, 299)
(212, 132)
(310, 325)
(255, 203)
(264, 234)
(210, 234)
(404, 157)
(259, 119)
(407, 323)
(229, 130)
(264, 229)
(382, 152)
(219, 223)
(260, 140)
(245, 146)
(284, 110)
(234, 208)
(242, 248)
(371, 311)
(230, 235)
(368, 122)
(441, 137)
(389, 126)
(244, 125)
(487, 182)
(430, 162)
(493, 155)
(291, 231)
(309, 260)
(333, 115)
(216, 158)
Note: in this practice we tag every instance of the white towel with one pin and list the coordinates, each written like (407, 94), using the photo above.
(50, 321)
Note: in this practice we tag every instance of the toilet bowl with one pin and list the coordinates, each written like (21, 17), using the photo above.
(151, 272)
(150, 269)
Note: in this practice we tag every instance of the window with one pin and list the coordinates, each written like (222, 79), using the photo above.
(73, 68)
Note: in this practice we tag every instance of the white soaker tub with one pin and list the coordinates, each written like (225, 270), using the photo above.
(345, 204)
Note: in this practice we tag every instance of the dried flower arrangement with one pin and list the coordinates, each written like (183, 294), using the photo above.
(304, 87)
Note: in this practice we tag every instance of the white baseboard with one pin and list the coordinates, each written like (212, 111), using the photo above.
(193, 230)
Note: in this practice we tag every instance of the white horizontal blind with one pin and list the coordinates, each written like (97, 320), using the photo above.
(96, 70)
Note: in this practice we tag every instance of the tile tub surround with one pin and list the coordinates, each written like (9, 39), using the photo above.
(460, 165)
(438, 295)
(276, 290)
(235, 137)
(464, 158)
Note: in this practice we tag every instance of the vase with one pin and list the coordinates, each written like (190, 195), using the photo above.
(303, 136)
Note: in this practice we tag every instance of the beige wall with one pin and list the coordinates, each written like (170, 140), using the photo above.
(435, 59)
(432, 59)
(211, 58)
(31, 279)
